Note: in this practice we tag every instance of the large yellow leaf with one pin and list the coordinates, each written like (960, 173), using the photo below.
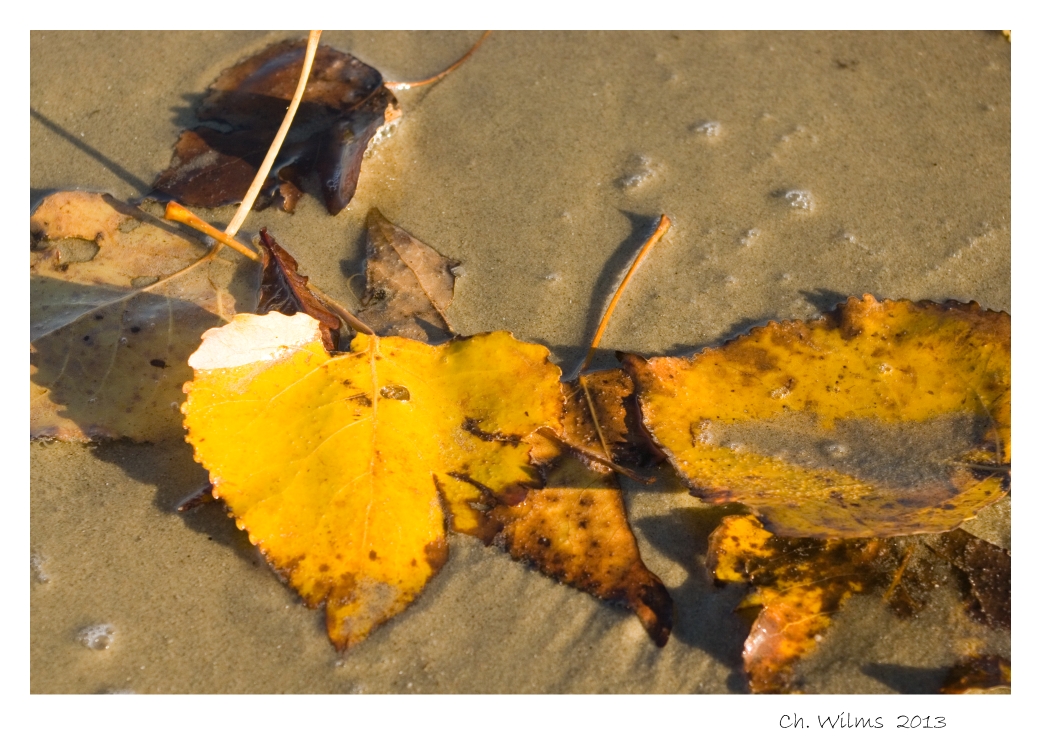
(879, 419)
(336, 465)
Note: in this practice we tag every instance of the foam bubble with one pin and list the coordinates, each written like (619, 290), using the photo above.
(641, 171)
(97, 637)
(800, 200)
(749, 236)
(36, 567)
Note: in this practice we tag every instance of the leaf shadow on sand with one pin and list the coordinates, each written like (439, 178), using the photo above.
(705, 616)
(121, 172)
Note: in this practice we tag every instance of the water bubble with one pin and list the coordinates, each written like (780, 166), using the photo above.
(554, 276)
(124, 341)
(708, 128)
(97, 637)
(781, 392)
(640, 172)
(458, 271)
(704, 433)
(800, 200)
(730, 280)
(36, 567)
(749, 236)
(837, 449)
(884, 368)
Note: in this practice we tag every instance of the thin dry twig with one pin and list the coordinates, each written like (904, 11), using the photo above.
(662, 227)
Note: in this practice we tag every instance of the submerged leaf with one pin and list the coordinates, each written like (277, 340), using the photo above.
(879, 419)
(800, 584)
(408, 286)
(118, 302)
(987, 570)
(344, 497)
(345, 104)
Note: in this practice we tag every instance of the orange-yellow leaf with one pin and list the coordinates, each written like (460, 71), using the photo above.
(879, 419)
(333, 464)
(576, 530)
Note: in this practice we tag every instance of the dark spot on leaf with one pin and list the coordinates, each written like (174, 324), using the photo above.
(158, 363)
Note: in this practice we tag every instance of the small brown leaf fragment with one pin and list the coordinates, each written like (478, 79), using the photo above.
(986, 569)
(616, 414)
(409, 285)
(344, 105)
(576, 531)
(284, 290)
(978, 674)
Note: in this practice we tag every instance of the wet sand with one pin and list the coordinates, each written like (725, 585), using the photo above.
(798, 169)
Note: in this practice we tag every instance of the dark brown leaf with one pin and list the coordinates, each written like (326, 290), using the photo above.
(409, 285)
(979, 674)
(343, 107)
(986, 570)
(284, 290)
(616, 416)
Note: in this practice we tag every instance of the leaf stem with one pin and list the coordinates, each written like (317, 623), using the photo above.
(405, 85)
(662, 227)
(265, 168)
(176, 212)
(348, 317)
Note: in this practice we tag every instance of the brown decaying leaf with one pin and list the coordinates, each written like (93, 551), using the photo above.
(408, 284)
(801, 583)
(986, 569)
(344, 105)
(878, 419)
(978, 674)
(284, 290)
(616, 421)
(118, 300)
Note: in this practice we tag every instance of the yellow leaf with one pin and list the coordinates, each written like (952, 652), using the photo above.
(879, 419)
(335, 465)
